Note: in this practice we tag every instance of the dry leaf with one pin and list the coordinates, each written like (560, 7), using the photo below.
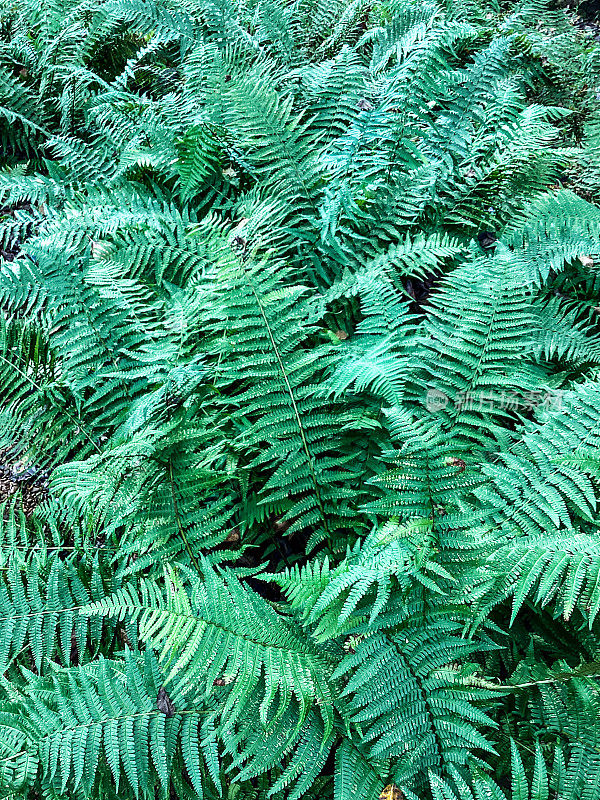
(586, 261)
(224, 681)
(163, 701)
(456, 462)
(392, 792)
(233, 537)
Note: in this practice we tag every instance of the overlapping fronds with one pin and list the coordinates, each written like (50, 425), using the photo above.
(299, 406)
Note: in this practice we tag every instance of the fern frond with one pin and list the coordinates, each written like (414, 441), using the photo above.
(223, 629)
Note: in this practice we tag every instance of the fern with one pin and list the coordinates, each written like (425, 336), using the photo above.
(251, 651)
(298, 401)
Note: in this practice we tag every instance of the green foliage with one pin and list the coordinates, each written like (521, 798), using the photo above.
(299, 343)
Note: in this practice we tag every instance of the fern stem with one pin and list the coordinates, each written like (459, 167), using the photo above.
(295, 409)
(178, 519)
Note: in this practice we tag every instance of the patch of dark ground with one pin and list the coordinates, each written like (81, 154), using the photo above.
(16, 478)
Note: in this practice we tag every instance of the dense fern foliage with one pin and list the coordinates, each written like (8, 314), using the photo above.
(300, 334)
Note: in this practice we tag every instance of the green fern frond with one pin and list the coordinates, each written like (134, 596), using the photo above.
(223, 629)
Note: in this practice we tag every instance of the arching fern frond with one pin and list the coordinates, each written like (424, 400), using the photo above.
(223, 632)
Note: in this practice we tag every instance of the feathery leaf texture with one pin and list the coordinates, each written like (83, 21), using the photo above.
(299, 362)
